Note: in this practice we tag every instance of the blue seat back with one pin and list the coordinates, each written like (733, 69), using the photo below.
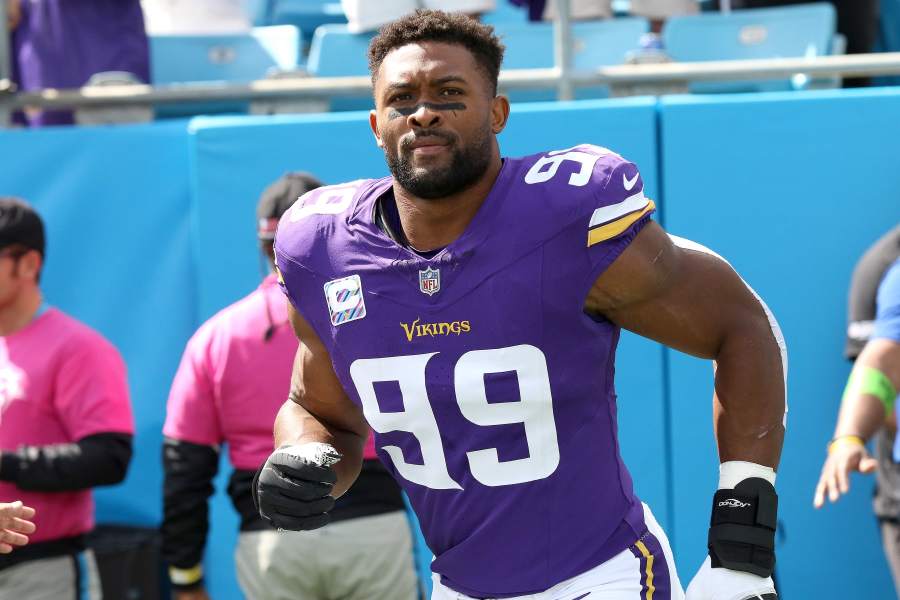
(596, 44)
(505, 12)
(307, 15)
(336, 52)
(786, 32)
(224, 57)
(238, 57)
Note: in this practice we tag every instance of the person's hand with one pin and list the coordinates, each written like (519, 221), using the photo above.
(725, 584)
(292, 490)
(13, 14)
(15, 525)
(198, 593)
(845, 454)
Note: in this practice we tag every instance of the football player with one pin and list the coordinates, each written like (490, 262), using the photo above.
(468, 309)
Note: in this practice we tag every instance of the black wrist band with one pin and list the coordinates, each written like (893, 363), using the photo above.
(742, 527)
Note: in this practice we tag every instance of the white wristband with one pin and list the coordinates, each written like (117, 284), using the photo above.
(733, 472)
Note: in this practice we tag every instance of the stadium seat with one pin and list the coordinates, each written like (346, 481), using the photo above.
(307, 15)
(793, 31)
(505, 12)
(221, 57)
(336, 52)
(596, 44)
(228, 57)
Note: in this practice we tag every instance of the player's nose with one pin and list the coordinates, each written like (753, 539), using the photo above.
(425, 116)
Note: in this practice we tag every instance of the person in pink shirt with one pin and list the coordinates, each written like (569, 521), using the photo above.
(65, 420)
(233, 378)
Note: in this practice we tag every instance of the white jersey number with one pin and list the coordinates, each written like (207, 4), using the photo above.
(545, 168)
(331, 200)
(534, 410)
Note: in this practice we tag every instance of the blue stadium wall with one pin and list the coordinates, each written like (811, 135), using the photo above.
(151, 230)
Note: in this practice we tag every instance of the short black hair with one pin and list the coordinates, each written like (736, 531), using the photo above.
(21, 225)
(440, 26)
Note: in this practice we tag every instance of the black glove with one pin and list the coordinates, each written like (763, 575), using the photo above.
(292, 489)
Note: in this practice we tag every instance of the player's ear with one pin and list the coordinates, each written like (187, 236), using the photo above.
(499, 113)
(373, 123)
(30, 264)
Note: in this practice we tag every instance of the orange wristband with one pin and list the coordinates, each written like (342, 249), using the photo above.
(845, 439)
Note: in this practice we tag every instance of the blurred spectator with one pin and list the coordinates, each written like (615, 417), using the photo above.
(367, 15)
(197, 16)
(65, 420)
(656, 11)
(62, 43)
(868, 406)
(233, 378)
(857, 20)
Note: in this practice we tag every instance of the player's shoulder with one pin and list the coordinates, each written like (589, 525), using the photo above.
(321, 218)
(584, 183)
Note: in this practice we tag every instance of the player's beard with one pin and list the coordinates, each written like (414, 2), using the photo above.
(467, 165)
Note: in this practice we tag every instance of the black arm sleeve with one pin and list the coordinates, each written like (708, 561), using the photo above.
(189, 471)
(99, 459)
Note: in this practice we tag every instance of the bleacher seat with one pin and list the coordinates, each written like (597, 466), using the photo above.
(596, 44)
(307, 15)
(238, 57)
(505, 12)
(805, 30)
(336, 52)
(224, 57)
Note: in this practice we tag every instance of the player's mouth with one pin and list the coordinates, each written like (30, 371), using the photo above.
(428, 145)
(429, 150)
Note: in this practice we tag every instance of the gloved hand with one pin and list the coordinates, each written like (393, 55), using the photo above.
(725, 584)
(292, 489)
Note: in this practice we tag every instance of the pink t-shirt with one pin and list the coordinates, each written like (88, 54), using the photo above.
(60, 381)
(231, 383)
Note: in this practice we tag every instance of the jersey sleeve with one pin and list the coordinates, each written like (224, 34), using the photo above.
(191, 414)
(612, 208)
(301, 232)
(887, 318)
(92, 389)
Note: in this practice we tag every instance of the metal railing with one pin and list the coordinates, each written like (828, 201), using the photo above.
(854, 65)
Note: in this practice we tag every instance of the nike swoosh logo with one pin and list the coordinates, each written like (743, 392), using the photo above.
(629, 183)
(582, 596)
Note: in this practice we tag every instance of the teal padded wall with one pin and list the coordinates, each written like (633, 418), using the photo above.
(791, 189)
(115, 204)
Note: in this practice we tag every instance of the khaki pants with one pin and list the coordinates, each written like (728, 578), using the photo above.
(70, 577)
(369, 558)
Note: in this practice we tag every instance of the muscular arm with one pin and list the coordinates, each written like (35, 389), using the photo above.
(318, 410)
(694, 302)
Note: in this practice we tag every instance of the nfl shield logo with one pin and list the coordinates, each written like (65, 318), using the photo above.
(430, 281)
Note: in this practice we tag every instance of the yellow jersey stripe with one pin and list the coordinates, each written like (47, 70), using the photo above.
(650, 589)
(605, 214)
(611, 230)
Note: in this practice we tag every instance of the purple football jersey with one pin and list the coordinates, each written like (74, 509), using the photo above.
(489, 389)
